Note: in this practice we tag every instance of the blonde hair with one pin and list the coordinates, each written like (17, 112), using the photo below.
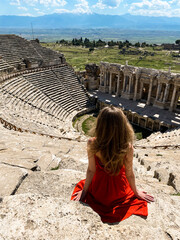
(113, 134)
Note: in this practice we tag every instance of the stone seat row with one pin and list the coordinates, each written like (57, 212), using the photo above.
(51, 107)
(70, 82)
(4, 65)
(44, 51)
(31, 125)
(51, 83)
(27, 117)
(14, 49)
(81, 96)
(45, 104)
(57, 95)
(44, 97)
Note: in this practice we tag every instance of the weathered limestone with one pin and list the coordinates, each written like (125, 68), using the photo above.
(43, 102)
(19, 159)
(148, 85)
(20, 54)
(10, 179)
(41, 207)
(92, 76)
(41, 170)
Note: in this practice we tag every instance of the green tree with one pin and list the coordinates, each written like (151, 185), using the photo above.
(137, 44)
(143, 44)
(87, 43)
(100, 43)
(120, 45)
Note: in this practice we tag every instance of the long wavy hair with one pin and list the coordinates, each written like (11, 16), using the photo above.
(113, 134)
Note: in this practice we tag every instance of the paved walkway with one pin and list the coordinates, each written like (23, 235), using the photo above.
(139, 107)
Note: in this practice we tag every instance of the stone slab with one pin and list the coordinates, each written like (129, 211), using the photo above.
(18, 160)
(10, 179)
(37, 217)
(57, 183)
(48, 161)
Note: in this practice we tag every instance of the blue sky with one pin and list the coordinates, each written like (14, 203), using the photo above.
(169, 8)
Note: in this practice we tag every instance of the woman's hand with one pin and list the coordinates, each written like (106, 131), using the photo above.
(79, 195)
(144, 196)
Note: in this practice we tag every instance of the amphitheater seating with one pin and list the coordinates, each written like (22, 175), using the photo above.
(4, 66)
(15, 50)
(43, 99)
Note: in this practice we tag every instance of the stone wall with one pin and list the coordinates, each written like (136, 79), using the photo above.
(157, 88)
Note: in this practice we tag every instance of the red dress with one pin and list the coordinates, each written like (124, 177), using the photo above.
(111, 196)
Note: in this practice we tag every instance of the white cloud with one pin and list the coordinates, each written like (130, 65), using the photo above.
(15, 2)
(155, 13)
(102, 4)
(53, 3)
(22, 8)
(153, 4)
(99, 5)
(82, 7)
(155, 8)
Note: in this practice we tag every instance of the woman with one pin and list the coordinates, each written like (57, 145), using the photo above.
(109, 187)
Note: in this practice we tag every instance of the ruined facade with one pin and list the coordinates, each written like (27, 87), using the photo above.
(153, 87)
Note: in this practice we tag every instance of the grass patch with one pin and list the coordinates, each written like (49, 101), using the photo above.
(176, 194)
(55, 168)
(88, 124)
(76, 120)
(138, 135)
(78, 57)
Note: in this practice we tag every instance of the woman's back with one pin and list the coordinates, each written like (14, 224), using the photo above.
(109, 187)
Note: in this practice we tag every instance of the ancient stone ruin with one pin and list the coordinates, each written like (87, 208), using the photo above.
(42, 96)
(42, 157)
(154, 87)
(157, 91)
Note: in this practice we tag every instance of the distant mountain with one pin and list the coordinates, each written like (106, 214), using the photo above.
(68, 20)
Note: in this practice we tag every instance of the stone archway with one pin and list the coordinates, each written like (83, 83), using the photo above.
(145, 91)
(114, 83)
(136, 120)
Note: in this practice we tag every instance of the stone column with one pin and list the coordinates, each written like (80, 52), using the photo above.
(173, 98)
(141, 89)
(166, 93)
(130, 82)
(110, 84)
(135, 91)
(105, 78)
(118, 83)
(149, 93)
(124, 83)
(101, 78)
(158, 91)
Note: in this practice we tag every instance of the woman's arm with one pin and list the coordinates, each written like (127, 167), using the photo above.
(131, 177)
(89, 173)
